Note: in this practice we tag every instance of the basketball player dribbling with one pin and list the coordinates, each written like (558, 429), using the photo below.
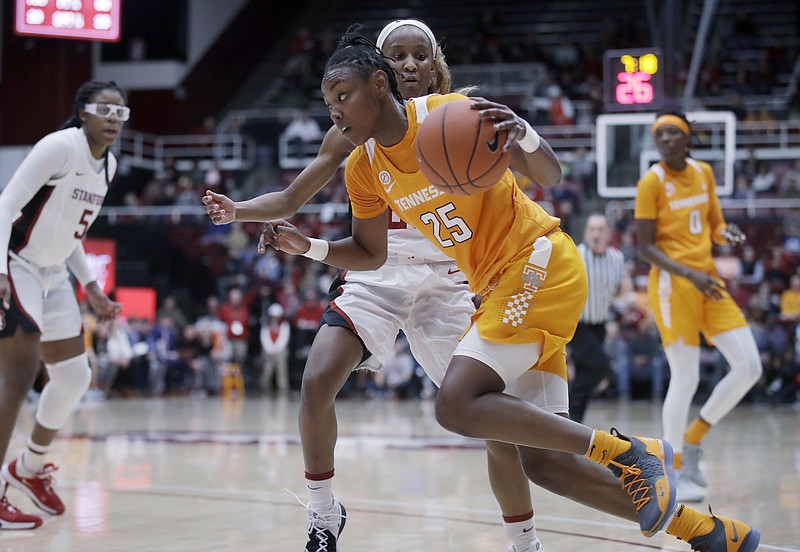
(417, 285)
(52, 199)
(527, 271)
(677, 217)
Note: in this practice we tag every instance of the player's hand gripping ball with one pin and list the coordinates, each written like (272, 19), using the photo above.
(459, 151)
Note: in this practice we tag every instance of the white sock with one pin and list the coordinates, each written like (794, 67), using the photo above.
(520, 530)
(32, 459)
(320, 493)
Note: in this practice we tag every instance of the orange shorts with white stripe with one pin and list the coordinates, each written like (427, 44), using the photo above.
(682, 311)
(538, 299)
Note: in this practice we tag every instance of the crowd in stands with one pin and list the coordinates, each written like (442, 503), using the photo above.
(262, 312)
(741, 60)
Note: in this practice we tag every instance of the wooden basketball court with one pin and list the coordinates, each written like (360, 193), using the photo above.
(210, 474)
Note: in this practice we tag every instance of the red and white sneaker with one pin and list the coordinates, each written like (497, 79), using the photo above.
(38, 488)
(11, 518)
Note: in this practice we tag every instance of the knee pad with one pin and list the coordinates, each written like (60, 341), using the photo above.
(69, 380)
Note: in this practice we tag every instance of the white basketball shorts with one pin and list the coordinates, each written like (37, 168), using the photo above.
(43, 301)
(431, 303)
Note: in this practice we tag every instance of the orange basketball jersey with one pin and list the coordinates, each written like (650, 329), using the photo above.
(686, 209)
(483, 233)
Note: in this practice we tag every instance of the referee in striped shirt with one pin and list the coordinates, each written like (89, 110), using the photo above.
(605, 267)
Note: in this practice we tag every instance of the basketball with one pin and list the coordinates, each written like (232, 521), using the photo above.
(459, 151)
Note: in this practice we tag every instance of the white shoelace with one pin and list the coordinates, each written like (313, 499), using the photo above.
(321, 522)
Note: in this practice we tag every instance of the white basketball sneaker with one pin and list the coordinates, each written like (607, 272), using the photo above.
(535, 546)
(687, 490)
(691, 464)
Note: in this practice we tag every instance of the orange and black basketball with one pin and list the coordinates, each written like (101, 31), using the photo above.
(459, 151)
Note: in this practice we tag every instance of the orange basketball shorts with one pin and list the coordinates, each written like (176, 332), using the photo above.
(682, 311)
(538, 299)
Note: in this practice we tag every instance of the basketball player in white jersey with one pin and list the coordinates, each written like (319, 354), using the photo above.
(45, 211)
(418, 290)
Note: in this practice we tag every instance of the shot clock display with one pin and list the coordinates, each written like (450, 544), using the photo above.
(81, 19)
(632, 80)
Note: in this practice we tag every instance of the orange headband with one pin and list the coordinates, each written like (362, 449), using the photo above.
(673, 120)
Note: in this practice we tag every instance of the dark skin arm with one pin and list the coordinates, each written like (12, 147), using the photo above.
(648, 252)
(364, 250)
(541, 166)
(332, 152)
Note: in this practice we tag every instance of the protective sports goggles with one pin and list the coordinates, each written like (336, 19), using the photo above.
(107, 111)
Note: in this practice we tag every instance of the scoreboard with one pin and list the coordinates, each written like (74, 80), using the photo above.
(632, 80)
(79, 19)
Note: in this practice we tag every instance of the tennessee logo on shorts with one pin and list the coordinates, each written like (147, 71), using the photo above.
(2, 320)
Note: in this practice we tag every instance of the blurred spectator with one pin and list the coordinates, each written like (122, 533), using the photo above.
(790, 183)
(300, 132)
(566, 55)
(790, 300)
(778, 268)
(275, 333)
(562, 111)
(751, 269)
(742, 188)
(626, 306)
(170, 308)
(211, 330)
(740, 293)
(764, 180)
(235, 314)
(584, 170)
(137, 377)
(737, 106)
(168, 371)
(616, 348)
(207, 128)
(306, 322)
(646, 362)
(197, 350)
(113, 353)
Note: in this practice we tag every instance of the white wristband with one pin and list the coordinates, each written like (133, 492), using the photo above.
(531, 141)
(318, 249)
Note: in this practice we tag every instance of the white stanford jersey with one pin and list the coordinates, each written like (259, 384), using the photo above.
(57, 193)
(406, 242)
(405, 245)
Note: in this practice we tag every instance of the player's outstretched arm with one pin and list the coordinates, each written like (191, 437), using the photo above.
(275, 205)
(365, 250)
(530, 154)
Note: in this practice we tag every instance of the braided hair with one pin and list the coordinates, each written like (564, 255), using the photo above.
(84, 95)
(364, 57)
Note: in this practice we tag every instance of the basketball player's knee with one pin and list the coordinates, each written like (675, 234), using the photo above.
(69, 380)
(318, 389)
(752, 371)
(451, 414)
(501, 451)
(753, 364)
